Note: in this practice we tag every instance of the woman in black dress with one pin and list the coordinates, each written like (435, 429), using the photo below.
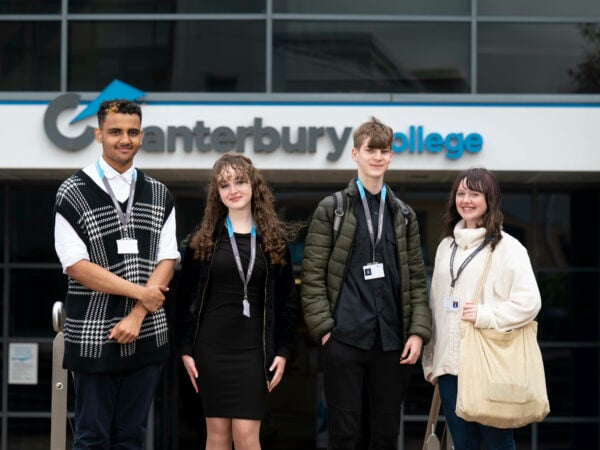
(237, 275)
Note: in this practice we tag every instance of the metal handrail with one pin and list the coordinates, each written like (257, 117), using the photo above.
(58, 428)
(58, 316)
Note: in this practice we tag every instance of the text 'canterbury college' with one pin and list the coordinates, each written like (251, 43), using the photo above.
(265, 139)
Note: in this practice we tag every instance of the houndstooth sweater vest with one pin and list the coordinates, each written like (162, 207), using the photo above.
(90, 315)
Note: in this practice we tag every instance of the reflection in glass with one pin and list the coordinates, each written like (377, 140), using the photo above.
(530, 58)
(545, 8)
(370, 57)
(31, 224)
(25, 397)
(162, 6)
(437, 7)
(29, 6)
(567, 227)
(168, 56)
(568, 371)
(31, 434)
(569, 306)
(568, 436)
(553, 230)
(32, 294)
(28, 50)
(517, 210)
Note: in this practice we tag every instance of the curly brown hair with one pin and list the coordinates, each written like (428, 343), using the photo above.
(484, 181)
(268, 225)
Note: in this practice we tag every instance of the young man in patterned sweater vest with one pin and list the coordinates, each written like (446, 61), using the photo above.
(115, 238)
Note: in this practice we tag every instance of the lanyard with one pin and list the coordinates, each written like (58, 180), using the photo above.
(123, 217)
(465, 262)
(367, 212)
(238, 262)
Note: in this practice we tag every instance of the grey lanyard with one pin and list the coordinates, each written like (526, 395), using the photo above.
(123, 217)
(238, 262)
(367, 212)
(465, 262)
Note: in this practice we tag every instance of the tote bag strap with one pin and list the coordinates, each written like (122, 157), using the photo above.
(431, 441)
(486, 269)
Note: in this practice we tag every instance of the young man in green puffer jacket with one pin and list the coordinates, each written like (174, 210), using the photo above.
(364, 296)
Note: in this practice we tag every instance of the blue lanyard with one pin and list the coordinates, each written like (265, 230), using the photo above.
(238, 262)
(367, 212)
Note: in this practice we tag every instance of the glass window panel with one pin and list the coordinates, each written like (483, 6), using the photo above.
(536, 58)
(1, 308)
(429, 207)
(568, 436)
(518, 217)
(29, 56)
(29, 6)
(31, 434)
(572, 382)
(571, 8)
(168, 56)
(373, 7)
(162, 6)
(28, 397)
(32, 224)
(567, 227)
(32, 295)
(2, 222)
(569, 307)
(370, 57)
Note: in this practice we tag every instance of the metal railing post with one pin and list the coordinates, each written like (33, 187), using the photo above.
(58, 430)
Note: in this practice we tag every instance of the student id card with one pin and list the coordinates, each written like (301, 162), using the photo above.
(373, 270)
(127, 246)
(451, 303)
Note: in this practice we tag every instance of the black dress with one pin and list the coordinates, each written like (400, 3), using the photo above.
(229, 350)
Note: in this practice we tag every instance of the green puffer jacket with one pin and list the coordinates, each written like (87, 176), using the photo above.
(324, 268)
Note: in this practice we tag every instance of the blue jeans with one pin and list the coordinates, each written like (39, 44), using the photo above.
(470, 435)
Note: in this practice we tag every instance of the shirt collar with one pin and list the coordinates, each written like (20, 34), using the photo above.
(111, 173)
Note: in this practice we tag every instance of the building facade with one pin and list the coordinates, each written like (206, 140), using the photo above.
(512, 86)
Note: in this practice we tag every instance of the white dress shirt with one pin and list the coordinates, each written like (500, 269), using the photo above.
(69, 246)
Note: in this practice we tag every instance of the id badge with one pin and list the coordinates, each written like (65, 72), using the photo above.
(373, 270)
(127, 246)
(451, 303)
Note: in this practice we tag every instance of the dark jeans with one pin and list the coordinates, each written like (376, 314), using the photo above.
(111, 410)
(346, 370)
(470, 435)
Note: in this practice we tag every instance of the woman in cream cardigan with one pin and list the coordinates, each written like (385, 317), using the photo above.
(472, 227)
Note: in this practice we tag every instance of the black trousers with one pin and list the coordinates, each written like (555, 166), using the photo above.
(346, 371)
(111, 410)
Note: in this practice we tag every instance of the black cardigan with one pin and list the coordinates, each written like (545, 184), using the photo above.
(281, 304)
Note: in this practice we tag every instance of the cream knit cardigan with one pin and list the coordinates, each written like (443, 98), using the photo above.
(510, 298)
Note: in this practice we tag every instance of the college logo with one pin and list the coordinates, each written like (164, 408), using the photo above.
(116, 89)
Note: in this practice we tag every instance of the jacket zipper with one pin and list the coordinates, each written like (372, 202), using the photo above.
(264, 327)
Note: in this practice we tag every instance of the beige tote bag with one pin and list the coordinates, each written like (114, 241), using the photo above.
(501, 380)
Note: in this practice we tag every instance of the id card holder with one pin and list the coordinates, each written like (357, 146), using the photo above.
(372, 271)
(451, 303)
(127, 246)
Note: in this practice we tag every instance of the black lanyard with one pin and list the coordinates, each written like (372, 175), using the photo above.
(123, 217)
(465, 262)
(238, 262)
(367, 212)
